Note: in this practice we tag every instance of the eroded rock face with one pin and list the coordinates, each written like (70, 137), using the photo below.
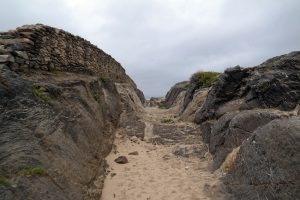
(185, 97)
(59, 109)
(268, 163)
(133, 109)
(189, 112)
(173, 93)
(232, 129)
(273, 84)
(67, 130)
(247, 105)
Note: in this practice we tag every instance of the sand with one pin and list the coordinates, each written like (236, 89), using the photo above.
(156, 173)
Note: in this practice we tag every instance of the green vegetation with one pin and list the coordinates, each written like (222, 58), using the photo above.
(167, 121)
(28, 171)
(34, 171)
(40, 92)
(205, 79)
(183, 84)
(4, 182)
(161, 106)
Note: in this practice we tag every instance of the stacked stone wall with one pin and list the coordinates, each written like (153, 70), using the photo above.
(40, 47)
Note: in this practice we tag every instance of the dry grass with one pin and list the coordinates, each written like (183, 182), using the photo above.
(229, 162)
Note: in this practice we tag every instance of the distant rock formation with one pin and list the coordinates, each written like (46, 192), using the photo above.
(250, 120)
(61, 100)
(174, 92)
(186, 96)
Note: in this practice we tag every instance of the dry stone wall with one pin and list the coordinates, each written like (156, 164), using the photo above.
(40, 47)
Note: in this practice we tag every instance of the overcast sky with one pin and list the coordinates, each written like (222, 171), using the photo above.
(161, 42)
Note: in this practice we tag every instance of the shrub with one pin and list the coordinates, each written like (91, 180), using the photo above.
(205, 79)
(40, 92)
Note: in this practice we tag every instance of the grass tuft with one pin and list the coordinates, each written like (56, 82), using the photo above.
(40, 92)
(205, 79)
(34, 171)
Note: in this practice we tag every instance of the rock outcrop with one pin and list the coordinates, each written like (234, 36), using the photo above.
(60, 105)
(250, 122)
(185, 98)
(174, 92)
(273, 84)
(267, 164)
(249, 118)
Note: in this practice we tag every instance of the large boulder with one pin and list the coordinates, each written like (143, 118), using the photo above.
(232, 129)
(268, 163)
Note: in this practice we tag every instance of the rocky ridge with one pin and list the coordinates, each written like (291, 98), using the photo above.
(250, 121)
(60, 105)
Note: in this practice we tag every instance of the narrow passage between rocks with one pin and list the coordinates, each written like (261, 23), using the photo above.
(169, 163)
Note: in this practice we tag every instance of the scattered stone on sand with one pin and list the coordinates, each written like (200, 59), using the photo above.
(135, 153)
(166, 157)
(134, 139)
(112, 174)
(121, 160)
(182, 151)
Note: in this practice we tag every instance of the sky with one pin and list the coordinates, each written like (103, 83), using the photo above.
(161, 42)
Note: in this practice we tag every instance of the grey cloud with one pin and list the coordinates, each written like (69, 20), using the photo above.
(162, 42)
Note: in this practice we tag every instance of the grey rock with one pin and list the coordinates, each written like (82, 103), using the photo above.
(6, 58)
(174, 92)
(232, 129)
(273, 84)
(134, 153)
(268, 163)
(121, 160)
(21, 54)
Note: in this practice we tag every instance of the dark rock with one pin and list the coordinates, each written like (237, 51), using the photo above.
(206, 130)
(140, 94)
(188, 97)
(135, 153)
(273, 84)
(121, 160)
(182, 151)
(232, 129)
(268, 163)
(6, 58)
(166, 157)
(174, 92)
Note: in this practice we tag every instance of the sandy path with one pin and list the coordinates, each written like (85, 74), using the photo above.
(155, 173)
